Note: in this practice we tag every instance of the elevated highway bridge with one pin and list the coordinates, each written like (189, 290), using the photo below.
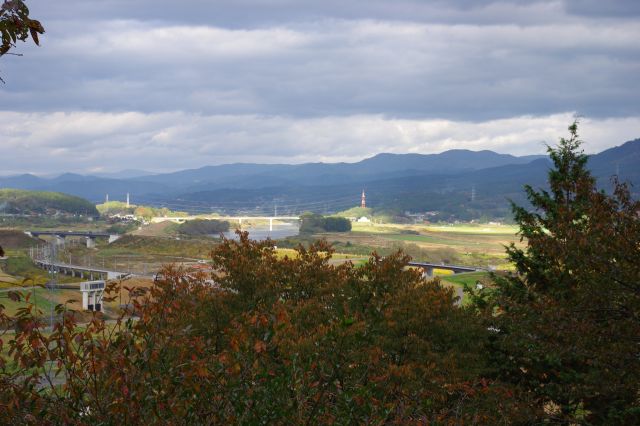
(61, 235)
(85, 272)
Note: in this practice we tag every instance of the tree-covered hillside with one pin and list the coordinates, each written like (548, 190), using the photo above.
(17, 201)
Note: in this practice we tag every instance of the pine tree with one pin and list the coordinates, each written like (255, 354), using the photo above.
(567, 323)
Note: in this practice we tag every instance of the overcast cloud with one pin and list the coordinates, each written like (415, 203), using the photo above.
(163, 85)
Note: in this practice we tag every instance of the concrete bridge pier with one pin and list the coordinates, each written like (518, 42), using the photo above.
(113, 237)
(91, 242)
(92, 293)
(59, 240)
(427, 272)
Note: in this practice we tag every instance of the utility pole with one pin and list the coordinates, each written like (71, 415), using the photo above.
(127, 200)
(52, 280)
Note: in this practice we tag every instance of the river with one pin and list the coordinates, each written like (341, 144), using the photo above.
(280, 230)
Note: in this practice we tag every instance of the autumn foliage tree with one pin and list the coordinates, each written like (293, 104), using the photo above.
(294, 340)
(567, 324)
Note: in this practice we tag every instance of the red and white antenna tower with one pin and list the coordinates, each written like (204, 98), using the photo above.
(363, 202)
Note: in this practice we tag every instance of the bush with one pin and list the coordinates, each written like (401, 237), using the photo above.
(336, 224)
(313, 223)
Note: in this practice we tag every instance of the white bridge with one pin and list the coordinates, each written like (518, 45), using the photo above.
(61, 235)
(239, 219)
(80, 271)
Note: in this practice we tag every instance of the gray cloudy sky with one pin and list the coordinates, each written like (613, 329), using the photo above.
(163, 85)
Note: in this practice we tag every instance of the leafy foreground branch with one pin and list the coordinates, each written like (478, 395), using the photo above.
(16, 25)
(301, 341)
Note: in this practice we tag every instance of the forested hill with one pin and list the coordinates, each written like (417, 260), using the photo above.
(17, 201)
(460, 184)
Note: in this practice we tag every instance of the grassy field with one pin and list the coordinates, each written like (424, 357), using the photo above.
(477, 245)
(469, 278)
(458, 281)
(44, 300)
(147, 249)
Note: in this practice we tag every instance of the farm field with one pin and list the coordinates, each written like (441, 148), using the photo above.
(481, 245)
(7, 280)
(147, 251)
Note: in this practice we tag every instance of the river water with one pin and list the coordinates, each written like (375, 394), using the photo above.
(280, 230)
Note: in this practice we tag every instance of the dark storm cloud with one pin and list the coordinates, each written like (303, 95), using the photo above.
(242, 13)
(160, 77)
(400, 69)
(598, 8)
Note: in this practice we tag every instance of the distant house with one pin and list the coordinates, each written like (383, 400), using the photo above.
(364, 219)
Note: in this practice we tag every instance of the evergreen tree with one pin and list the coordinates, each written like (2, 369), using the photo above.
(567, 323)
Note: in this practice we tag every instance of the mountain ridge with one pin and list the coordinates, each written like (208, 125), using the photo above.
(402, 181)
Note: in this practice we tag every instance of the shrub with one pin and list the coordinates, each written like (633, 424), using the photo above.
(313, 223)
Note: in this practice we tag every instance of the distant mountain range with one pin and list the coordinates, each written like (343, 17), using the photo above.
(124, 174)
(455, 181)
